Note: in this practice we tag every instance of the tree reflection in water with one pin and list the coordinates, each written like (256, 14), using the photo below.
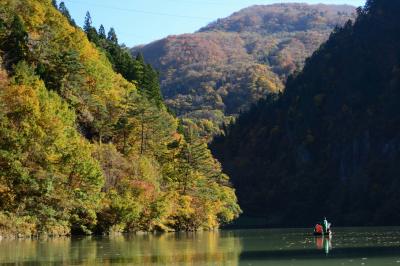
(200, 248)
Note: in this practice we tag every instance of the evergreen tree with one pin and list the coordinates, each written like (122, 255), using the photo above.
(63, 72)
(139, 66)
(151, 85)
(15, 44)
(112, 36)
(140, 58)
(80, 149)
(119, 56)
(63, 9)
(323, 139)
(102, 32)
(88, 22)
(91, 31)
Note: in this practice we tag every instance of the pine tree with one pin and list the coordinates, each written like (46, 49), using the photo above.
(80, 148)
(88, 22)
(91, 32)
(139, 66)
(112, 36)
(151, 85)
(140, 58)
(16, 43)
(102, 32)
(64, 10)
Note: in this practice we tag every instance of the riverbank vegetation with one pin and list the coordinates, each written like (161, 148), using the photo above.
(86, 143)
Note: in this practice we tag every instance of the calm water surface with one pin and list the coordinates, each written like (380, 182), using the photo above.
(348, 246)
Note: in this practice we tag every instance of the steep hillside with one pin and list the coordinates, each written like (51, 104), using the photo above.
(330, 144)
(84, 150)
(235, 61)
(277, 18)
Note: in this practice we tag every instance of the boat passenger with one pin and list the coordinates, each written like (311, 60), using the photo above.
(326, 225)
(318, 229)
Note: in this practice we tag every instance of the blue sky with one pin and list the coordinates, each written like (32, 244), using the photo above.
(142, 21)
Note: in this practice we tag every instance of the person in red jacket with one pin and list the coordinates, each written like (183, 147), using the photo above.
(318, 229)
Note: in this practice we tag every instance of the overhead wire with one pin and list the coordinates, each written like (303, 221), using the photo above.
(139, 11)
(185, 2)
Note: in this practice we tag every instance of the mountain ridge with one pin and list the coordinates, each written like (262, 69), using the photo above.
(210, 76)
(277, 8)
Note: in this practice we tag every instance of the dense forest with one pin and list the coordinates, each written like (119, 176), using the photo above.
(329, 145)
(213, 74)
(86, 143)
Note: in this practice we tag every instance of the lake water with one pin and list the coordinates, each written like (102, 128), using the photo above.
(348, 246)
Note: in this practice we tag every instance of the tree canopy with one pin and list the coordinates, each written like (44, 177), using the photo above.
(214, 74)
(86, 144)
(328, 145)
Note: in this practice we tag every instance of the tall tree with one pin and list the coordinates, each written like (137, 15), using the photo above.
(46, 164)
(79, 124)
(102, 32)
(151, 86)
(88, 22)
(139, 66)
(64, 10)
(91, 31)
(15, 44)
(112, 36)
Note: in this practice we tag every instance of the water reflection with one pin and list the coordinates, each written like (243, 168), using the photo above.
(372, 246)
(204, 248)
(324, 243)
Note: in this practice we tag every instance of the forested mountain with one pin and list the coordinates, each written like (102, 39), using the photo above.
(214, 73)
(86, 144)
(329, 145)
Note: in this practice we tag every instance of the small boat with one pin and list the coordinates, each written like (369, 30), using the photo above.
(320, 231)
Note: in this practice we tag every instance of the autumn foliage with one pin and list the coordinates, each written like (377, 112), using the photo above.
(87, 148)
(214, 74)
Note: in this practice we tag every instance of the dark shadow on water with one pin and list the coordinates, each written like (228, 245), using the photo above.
(336, 253)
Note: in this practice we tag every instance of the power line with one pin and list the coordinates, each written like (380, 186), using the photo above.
(197, 3)
(141, 11)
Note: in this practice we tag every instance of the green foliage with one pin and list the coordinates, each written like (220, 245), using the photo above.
(14, 40)
(102, 32)
(82, 149)
(326, 145)
(150, 86)
(88, 22)
(89, 29)
(112, 36)
(64, 10)
(134, 70)
(48, 170)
